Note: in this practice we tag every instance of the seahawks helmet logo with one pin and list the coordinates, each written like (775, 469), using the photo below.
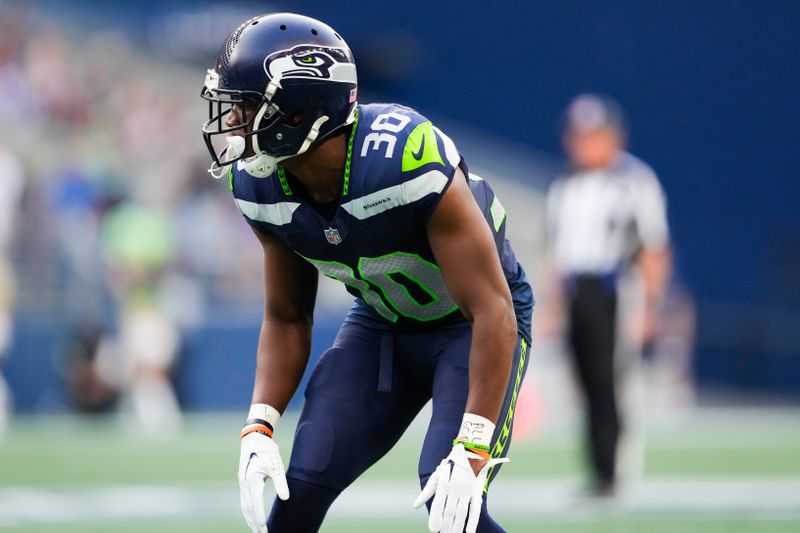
(309, 61)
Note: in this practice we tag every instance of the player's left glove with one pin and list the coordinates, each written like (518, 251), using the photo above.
(456, 490)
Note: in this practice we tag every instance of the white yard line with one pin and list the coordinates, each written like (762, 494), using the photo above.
(544, 500)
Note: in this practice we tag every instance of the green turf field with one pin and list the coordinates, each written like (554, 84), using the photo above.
(719, 470)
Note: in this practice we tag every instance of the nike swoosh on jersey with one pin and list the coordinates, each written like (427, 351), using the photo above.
(421, 148)
(418, 154)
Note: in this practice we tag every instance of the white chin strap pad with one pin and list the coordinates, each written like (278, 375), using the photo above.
(262, 165)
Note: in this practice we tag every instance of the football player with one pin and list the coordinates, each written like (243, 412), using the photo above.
(378, 198)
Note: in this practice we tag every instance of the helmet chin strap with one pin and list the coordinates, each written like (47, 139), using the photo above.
(217, 171)
(313, 133)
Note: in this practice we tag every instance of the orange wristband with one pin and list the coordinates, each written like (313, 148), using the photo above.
(256, 428)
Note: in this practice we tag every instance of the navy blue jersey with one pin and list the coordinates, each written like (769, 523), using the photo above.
(373, 239)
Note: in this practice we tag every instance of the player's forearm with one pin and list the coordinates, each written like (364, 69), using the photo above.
(283, 350)
(494, 336)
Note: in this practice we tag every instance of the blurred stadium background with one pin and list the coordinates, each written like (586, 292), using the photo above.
(100, 114)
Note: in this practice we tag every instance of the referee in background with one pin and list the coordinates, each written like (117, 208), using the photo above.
(606, 218)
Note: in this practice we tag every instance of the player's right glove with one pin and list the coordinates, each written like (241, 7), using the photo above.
(258, 460)
(456, 489)
(457, 492)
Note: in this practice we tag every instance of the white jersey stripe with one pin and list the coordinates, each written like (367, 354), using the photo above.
(277, 214)
(450, 150)
(406, 193)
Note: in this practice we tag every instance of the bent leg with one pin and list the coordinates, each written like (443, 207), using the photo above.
(450, 389)
(359, 401)
(305, 509)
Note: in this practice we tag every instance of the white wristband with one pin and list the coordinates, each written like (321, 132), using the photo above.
(476, 429)
(265, 412)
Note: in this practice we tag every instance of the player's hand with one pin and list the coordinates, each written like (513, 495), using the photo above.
(259, 459)
(457, 492)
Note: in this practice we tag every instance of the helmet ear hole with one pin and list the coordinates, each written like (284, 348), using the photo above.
(295, 119)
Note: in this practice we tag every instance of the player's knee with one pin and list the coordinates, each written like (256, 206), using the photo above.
(305, 509)
(314, 447)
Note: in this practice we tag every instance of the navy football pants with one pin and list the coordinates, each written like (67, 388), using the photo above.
(362, 395)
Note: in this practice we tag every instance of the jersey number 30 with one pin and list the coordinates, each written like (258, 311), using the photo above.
(409, 285)
(392, 122)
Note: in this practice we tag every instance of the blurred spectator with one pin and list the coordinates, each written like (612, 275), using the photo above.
(90, 370)
(95, 120)
(606, 220)
(11, 186)
(139, 245)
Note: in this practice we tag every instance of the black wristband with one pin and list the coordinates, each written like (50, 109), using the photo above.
(260, 422)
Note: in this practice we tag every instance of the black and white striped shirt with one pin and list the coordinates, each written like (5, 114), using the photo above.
(597, 219)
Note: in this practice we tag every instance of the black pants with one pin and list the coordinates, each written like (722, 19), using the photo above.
(592, 313)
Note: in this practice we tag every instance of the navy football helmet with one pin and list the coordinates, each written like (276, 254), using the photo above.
(294, 82)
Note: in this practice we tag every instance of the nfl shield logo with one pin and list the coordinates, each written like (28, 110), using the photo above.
(332, 236)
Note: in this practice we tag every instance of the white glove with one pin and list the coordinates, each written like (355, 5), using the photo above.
(457, 491)
(258, 460)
